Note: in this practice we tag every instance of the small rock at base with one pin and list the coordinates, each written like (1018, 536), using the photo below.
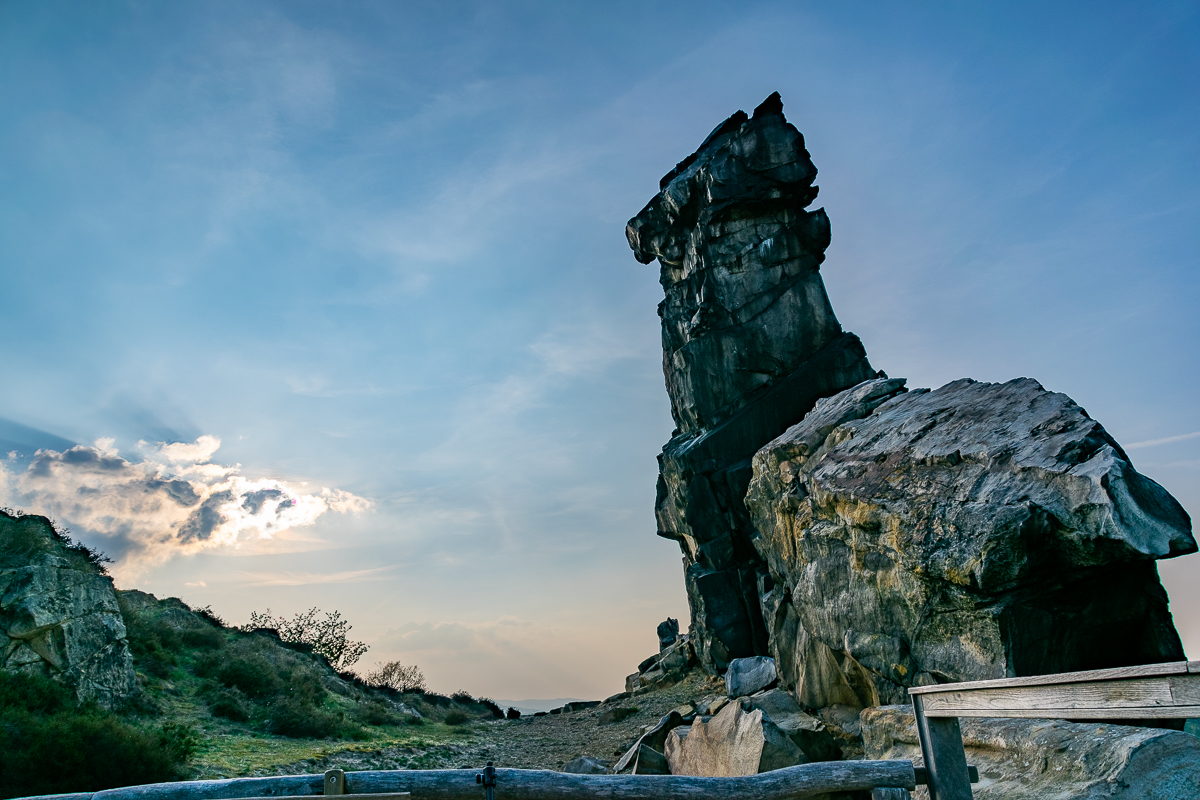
(650, 762)
(586, 766)
(617, 714)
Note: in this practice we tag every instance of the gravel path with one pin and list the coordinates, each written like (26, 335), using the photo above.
(547, 742)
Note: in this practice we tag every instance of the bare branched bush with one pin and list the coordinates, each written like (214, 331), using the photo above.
(328, 636)
(394, 675)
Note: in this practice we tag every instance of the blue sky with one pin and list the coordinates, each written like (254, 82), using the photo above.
(377, 249)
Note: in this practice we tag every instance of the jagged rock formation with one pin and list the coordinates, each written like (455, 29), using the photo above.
(750, 342)
(977, 531)
(730, 744)
(59, 614)
(1034, 759)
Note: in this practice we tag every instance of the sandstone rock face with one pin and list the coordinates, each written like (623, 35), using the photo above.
(731, 744)
(1024, 759)
(59, 615)
(976, 531)
(750, 341)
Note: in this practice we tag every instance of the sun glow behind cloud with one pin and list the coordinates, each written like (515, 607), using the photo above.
(173, 500)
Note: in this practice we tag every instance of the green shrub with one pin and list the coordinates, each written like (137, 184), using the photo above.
(412, 720)
(294, 717)
(376, 713)
(456, 718)
(180, 740)
(251, 673)
(230, 704)
(49, 744)
(204, 638)
(34, 693)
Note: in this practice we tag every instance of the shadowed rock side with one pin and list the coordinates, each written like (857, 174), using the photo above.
(59, 615)
(750, 342)
(977, 531)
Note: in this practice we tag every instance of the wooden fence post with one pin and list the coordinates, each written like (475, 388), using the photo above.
(945, 759)
(335, 781)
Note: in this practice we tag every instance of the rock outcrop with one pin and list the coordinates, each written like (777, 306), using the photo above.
(750, 342)
(976, 531)
(731, 744)
(59, 614)
(1026, 759)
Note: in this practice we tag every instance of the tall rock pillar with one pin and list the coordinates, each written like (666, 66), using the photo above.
(750, 343)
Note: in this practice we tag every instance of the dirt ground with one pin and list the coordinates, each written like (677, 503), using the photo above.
(545, 742)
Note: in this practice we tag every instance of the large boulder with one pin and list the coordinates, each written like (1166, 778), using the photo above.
(750, 342)
(749, 675)
(1026, 759)
(731, 744)
(58, 613)
(977, 531)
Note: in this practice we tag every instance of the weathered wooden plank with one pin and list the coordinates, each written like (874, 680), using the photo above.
(945, 760)
(1172, 712)
(278, 786)
(380, 796)
(1088, 676)
(792, 783)
(1132, 698)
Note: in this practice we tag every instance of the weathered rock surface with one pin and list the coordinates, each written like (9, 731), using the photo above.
(668, 633)
(59, 613)
(1020, 759)
(655, 739)
(750, 342)
(650, 762)
(730, 744)
(976, 531)
(665, 668)
(806, 731)
(749, 675)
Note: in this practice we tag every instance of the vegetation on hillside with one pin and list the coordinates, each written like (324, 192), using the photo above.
(50, 744)
(212, 700)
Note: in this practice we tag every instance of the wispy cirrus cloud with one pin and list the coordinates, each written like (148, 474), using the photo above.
(1183, 437)
(172, 500)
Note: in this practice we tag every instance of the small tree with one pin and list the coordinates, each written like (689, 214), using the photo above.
(394, 675)
(329, 636)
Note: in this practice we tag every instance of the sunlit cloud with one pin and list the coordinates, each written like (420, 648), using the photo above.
(310, 578)
(174, 500)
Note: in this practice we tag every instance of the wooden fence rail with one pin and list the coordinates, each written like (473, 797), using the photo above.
(791, 783)
(1151, 691)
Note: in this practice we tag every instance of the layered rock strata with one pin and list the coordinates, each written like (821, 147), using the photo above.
(750, 342)
(977, 531)
(58, 613)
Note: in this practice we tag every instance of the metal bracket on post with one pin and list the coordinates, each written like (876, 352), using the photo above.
(488, 779)
(945, 759)
(335, 781)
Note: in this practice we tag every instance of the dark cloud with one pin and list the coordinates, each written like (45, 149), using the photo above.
(254, 501)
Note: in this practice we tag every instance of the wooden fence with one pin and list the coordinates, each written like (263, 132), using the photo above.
(791, 783)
